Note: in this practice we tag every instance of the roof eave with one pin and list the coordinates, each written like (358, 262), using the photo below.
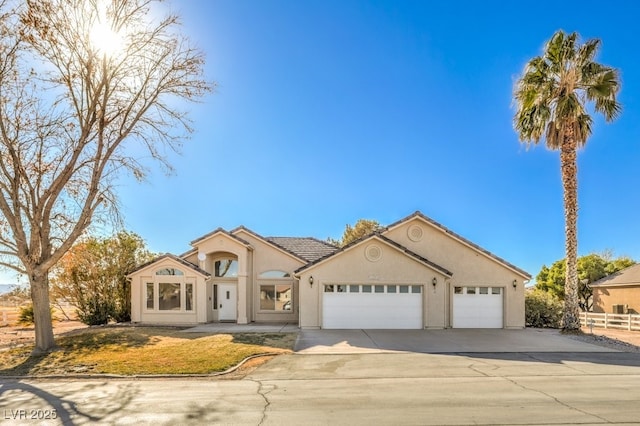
(224, 232)
(266, 241)
(460, 239)
(174, 258)
(377, 235)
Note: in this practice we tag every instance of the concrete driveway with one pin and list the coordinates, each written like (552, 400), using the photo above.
(439, 341)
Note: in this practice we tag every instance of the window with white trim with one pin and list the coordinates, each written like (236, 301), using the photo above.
(276, 291)
(170, 291)
(169, 296)
(373, 288)
(274, 273)
(150, 296)
(170, 271)
(276, 297)
(225, 268)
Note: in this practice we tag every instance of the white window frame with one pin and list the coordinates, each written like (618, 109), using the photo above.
(182, 280)
(276, 282)
(222, 259)
(372, 288)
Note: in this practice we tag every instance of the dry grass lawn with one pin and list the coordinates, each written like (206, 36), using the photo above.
(143, 351)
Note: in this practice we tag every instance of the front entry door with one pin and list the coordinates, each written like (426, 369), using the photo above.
(227, 301)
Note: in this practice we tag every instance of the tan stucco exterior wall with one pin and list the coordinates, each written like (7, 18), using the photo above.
(221, 245)
(139, 312)
(268, 258)
(254, 257)
(353, 267)
(469, 266)
(605, 297)
(192, 258)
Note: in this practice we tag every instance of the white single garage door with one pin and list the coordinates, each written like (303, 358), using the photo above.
(477, 307)
(372, 306)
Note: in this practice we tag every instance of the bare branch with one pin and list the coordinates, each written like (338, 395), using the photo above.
(68, 111)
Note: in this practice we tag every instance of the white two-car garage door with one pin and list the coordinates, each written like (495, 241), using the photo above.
(375, 306)
(477, 307)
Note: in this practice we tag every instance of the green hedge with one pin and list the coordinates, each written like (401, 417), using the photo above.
(542, 309)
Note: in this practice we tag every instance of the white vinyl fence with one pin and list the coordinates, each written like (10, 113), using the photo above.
(619, 321)
(8, 317)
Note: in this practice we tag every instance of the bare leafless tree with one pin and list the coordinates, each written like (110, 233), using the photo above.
(83, 85)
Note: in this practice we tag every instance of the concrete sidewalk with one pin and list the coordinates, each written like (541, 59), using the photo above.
(439, 341)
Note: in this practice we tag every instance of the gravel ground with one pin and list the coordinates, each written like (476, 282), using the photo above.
(20, 335)
(623, 341)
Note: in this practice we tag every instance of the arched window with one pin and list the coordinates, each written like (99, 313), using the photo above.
(275, 274)
(225, 268)
(169, 271)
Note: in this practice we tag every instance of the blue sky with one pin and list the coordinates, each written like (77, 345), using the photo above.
(331, 111)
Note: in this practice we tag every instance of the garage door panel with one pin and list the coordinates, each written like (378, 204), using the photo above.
(372, 311)
(477, 310)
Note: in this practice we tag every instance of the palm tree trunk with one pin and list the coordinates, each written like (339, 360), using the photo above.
(569, 168)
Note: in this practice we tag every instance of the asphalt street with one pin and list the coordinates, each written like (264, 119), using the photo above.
(586, 387)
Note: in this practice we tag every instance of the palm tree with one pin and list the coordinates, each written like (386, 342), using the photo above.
(551, 98)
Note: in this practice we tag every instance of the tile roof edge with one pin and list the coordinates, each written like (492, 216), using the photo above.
(174, 258)
(602, 281)
(221, 231)
(278, 246)
(459, 237)
(378, 234)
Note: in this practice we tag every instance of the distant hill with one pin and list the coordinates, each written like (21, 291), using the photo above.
(6, 288)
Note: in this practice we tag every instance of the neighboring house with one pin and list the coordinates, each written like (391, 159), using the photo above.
(618, 293)
(413, 274)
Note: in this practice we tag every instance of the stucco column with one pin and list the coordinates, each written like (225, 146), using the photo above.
(200, 299)
(242, 287)
(436, 300)
(242, 297)
(309, 302)
(137, 298)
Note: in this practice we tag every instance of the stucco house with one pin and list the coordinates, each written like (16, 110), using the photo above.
(618, 293)
(413, 274)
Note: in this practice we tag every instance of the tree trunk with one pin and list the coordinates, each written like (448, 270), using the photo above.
(42, 314)
(569, 167)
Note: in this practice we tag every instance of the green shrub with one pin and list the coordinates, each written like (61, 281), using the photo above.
(542, 309)
(95, 311)
(25, 316)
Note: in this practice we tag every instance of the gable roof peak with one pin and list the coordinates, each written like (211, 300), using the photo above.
(378, 235)
(224, 232)
(173, 257)
(460, 238)
(306, 252)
